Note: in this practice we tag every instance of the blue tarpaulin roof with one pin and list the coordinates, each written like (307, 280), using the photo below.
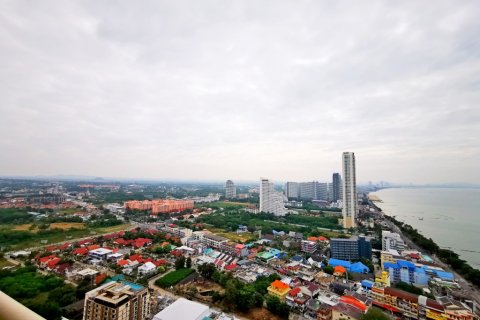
(367, 284)
(444, 275)
(337, 262)
(359, 267)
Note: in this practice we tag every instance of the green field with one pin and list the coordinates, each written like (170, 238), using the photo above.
(173, 277)
(4, 263)
(222, 204)
(16, 240)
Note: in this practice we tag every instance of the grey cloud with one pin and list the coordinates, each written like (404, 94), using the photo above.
(216, 90)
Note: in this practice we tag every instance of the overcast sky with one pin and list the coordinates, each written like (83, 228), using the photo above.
(241, 89)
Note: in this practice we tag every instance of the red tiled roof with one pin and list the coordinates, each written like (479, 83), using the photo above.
(93, 247)
(322, 238)
(82, 251)
(52, 263)
(99, 278)
(65, 246)
(230, 267)
(160, 262)
(51, 248)
(46, 259)
(135, 257)
(122, 262)
(294, 291)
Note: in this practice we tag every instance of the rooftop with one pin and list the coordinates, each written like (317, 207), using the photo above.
(183, 309)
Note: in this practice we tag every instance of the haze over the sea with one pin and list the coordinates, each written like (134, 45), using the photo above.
(450, 216)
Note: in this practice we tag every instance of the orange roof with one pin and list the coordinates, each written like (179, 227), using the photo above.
(93, 247)
(354, 302)
(339, 269)
(312, 238)
(279, 285)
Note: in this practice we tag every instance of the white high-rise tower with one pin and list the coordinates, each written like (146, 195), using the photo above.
(349, 190)
(271, 201)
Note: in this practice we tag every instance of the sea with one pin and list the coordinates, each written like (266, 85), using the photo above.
(450, 216)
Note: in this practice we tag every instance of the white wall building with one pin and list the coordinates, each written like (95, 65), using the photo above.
(184, 309)
(271, 201)
(349, 190)
(392, 240)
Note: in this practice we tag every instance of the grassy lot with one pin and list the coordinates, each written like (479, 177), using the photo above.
(68, 211)
(54, 225)
(222, 204)
(233, 236)
(4, 263)
(173, 277)
(17, 239)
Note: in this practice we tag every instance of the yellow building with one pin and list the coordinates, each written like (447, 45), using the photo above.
(278, 289)
(383, 279)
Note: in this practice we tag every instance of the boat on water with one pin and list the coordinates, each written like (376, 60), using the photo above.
(420, 218)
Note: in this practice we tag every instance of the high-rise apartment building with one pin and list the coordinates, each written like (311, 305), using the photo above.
(230, 190)
(117, 301)
(292, 189)
(321, 191)
(308, 190)
(352, 248)
(271, 201)
(336, 187)
(349, 190)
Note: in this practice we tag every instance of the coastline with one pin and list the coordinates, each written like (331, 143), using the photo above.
(445, 257)
(449, 216)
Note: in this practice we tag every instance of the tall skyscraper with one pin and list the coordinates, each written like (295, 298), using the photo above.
(271, 201)
(230, 190)
(349, 190)
(117, 301)
(292, 189)
(336, 185)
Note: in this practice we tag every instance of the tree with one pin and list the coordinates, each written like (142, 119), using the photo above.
(246, 298)
(189, 262)
(328, 269)
(207, 270)
(180, 263)
(272, 303)
(277, 307)
(374, 314)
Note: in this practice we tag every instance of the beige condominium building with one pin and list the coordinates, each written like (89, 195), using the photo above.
(117, 301)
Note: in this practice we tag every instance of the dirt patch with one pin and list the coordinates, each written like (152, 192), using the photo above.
(23, 227)
(67, 225)
(55, 225)
(259, 314)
